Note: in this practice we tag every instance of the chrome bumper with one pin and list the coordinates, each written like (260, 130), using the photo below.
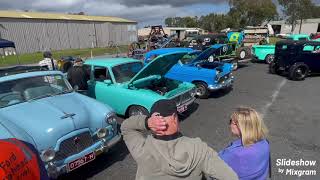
(225, 84)
(54, 171)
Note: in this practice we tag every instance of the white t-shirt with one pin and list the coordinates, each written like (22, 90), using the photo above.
(47, 62)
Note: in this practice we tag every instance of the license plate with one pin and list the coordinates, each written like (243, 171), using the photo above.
(182, 108)
(81, 161)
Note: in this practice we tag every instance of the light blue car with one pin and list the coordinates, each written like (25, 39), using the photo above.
(67, 128)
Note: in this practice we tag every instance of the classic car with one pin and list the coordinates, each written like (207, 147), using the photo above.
(266, 52)
(234, 40)
(297, 58)
(67, 128)
(195, 67)
(132, 89)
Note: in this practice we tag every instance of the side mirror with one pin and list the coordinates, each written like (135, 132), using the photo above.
(107, 81)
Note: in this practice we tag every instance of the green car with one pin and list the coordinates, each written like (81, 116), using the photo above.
(131, 88)
(266, 52)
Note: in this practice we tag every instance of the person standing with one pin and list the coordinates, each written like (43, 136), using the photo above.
(48, 61)
(78, 75)
(249, 154)
(20, 160)
(167, 154)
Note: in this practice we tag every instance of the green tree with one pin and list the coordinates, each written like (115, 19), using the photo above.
(252, 12)
(297, 10)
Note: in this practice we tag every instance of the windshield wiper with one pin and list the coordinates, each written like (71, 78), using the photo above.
(50, 95)
(63, 92)
(40, 97)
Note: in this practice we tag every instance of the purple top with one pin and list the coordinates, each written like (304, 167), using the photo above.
(250, 163)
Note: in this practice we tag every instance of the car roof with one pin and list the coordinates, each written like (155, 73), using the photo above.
(298, 43)
(11, 77)
(298, 35)
(109, 62)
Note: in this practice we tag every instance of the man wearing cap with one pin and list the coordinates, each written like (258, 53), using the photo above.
(78, 76)
(167, 154)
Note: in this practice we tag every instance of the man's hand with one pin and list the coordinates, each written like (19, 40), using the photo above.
(157, 124)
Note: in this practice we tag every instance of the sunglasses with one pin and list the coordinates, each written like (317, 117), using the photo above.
(232, 122)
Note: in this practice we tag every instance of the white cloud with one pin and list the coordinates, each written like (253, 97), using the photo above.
(143, 11)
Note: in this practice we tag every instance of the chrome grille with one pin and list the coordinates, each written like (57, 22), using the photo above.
(183, 98)
(74, 145)
(223, 78)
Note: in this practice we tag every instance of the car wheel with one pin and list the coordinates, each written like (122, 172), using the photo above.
(137, 110)
(234, 65)
(202, 90)
(269, 58)
(273, 69)
(243, 53)
(298, 71)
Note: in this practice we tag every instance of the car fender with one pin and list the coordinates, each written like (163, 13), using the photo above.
(191, 74)
(144, 98)
(9, 130)
(97, 110)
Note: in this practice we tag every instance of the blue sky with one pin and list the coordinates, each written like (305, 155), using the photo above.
(146, 12)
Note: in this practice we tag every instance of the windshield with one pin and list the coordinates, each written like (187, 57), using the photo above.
(188, 58)
(22, 90)
(125, 72)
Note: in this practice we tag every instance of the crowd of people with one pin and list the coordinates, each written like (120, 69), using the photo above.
(165, 153)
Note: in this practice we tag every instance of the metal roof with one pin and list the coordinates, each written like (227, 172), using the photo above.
(54, 16)
(109, 62)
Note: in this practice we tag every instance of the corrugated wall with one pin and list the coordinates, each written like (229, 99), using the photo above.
(39, 35)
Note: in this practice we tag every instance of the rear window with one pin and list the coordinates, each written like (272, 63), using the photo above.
(303, 38)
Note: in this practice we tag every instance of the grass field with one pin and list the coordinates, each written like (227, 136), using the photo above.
(36, 57)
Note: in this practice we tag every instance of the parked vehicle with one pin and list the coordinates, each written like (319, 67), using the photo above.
(41, 108)
(266, 52)
(196, 68)
(132, 89)
(234, 40)
(296, 58)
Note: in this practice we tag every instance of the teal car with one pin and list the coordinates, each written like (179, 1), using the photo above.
(266, 52)
(131, 88)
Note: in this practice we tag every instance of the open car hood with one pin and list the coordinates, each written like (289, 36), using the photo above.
(159, 66)
(207, 53)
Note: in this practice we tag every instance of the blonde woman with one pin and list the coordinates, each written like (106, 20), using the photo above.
(249, 155)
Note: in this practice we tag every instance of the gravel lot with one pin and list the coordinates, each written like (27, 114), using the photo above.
(290, 109)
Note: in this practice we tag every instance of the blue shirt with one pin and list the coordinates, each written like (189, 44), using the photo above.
(251, 162)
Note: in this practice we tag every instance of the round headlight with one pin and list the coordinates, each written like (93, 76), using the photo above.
(101, 133)
(111, 118)
(47, 155)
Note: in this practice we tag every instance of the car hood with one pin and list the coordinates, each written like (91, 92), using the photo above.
(159, 66)
(207, 53)
(48, 119)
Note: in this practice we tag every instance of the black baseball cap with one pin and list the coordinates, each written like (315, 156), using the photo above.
(164, 107)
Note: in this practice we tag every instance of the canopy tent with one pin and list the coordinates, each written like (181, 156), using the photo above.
(8, 44)
(5, 43)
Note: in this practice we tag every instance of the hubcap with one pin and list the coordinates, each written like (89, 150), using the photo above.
(200, 90)
(270, 59)
(300, 72)
(242, 54)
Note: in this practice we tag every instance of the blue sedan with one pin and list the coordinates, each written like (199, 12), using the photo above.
(197, 68)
